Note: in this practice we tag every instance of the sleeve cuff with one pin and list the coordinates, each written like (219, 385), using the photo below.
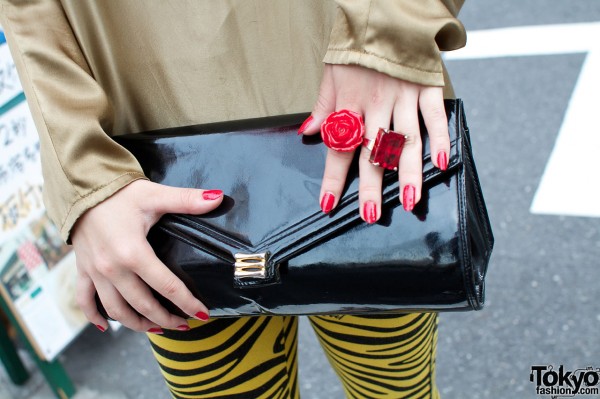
(383, 65)
(82, 204)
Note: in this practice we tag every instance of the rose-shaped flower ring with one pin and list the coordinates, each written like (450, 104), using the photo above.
(343, 130)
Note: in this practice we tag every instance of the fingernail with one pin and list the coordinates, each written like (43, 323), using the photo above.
(211, 195)
(327, 202)
(155, 330)
(99, 327)
(183, 327)
(370, 212)
(305, 125)
(442, 160)
(201, 316)
(408, 197)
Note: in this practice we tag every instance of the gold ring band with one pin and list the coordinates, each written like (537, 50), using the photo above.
(368, 143)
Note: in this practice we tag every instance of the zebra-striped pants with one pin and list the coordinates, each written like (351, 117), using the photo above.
(256, 357)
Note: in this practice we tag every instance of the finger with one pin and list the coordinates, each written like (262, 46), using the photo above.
(125, 297)
(118, 309)
(166, 283)
(139, 297)
(410, 167)
(334, 178)
(86, 299)
(378, 115)
(337, 164)
(431, 103)
(163, 199)
(323, 107)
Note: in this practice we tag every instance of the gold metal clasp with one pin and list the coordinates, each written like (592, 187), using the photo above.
(251, 265)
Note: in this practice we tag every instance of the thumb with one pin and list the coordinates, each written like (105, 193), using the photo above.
(166, 199)
(324, 106)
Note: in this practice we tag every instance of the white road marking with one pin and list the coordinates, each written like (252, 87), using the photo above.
(570, 184)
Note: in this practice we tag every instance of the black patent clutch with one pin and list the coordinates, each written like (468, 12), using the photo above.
(270, 250)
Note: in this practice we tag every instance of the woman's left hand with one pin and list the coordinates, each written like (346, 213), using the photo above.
(380, 99)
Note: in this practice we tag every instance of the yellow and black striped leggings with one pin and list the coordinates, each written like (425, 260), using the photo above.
(376, 356)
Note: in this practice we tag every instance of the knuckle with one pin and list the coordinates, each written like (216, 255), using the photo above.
(189, 305)
(350, 99)
(438, 132)
(333, 182)
(370, 188)
(84, 297)
(322, 105)
(437, 123)
(80, 269)
(84, 302)
(439, 135)
(407, 177)
(436, 112)
(413, 142)
(170, 287)
(128, 256)
(186, 196)
(106, 268)
(370, 183)
(136, 324)
(114, 312)
(378, 97)
(145, 307)
(364, 156)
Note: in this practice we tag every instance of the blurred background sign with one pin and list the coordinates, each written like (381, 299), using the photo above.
(37, 270)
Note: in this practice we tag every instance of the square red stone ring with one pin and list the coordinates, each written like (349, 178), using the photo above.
(386, 148)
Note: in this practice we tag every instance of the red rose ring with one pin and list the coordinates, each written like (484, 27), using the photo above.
(343, 130)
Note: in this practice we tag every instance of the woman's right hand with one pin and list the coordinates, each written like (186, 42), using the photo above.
(115, 260)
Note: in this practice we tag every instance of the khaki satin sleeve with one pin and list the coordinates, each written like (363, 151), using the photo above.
(70, 110)
(401, 38)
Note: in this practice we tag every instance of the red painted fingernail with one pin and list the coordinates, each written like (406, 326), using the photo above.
(327, 202)
(99, 327)
(370, 212)
(305, 125)
(201, 316)
(183, 327)
(442, 160)
(408, 197)
(211, 195)
(155, 330)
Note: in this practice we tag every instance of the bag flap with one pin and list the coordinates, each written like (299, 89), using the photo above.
(271, 178)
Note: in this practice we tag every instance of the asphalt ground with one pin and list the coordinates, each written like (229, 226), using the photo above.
(543, 282)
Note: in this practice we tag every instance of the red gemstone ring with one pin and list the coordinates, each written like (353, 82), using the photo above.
(343, 130)
(386, 148)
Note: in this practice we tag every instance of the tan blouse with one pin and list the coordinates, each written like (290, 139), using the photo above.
(92, 69)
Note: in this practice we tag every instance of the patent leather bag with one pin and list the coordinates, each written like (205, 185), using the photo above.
(270, 250)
